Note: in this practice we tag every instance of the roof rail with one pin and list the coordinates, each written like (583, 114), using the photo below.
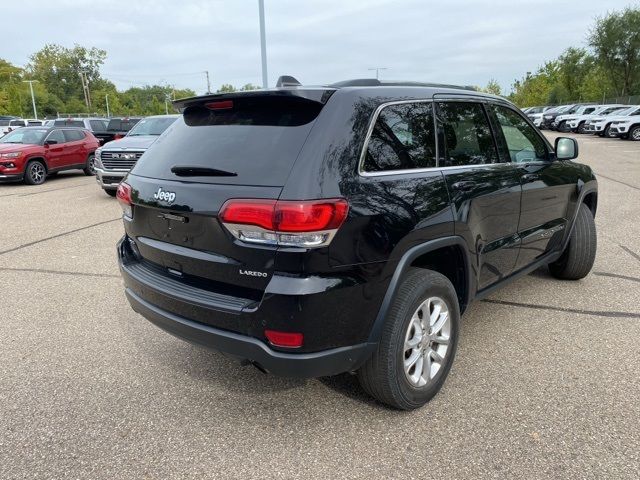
(373, 82)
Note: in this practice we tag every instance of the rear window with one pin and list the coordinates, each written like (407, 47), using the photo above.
(122, 124)
(257, 138)
(63, 122)
(4, 123)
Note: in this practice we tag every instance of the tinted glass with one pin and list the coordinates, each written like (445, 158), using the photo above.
(97, 125)
(63, 122)
(466, 135)
(73, 135)
(27, 136)
(17, 123)
(4, 123)
(402, 138)
(152, 126)
(57, 135)
(258, 138)
(34, 123)
(122, 124)
(523, 142)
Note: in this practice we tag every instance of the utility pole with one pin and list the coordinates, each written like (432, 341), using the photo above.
(206, 72)
(106, 99)
(377, 69)
(167, 97)
(85, 89)
(263, 45)
(33, 97)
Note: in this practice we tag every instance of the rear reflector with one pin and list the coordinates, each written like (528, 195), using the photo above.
(123, 194)
(284, 339)
(310, 223)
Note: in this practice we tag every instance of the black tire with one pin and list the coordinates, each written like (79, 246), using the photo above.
(607, 132)
(577, 259)
(90, 168)
(562, 127)
(581, 127)
(634, 133)
(35, 173)
(111, 193)
(383, 375)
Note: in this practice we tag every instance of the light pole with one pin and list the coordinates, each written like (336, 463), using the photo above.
(377, 69)
(106, 99)
(263, 45)
(33, 97)
(206, 72)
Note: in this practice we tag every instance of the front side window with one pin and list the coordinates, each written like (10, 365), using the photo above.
(523, 142)
(403, 138)
(467, 138)
(73, 135)
(57, 135)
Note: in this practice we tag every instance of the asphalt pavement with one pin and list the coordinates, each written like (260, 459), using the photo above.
(545, 383)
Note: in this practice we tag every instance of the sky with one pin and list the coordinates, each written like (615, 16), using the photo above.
(317, 41)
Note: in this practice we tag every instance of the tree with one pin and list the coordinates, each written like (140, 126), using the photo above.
(492, 87)
(226, 88)
(249, 86)
(615, 39)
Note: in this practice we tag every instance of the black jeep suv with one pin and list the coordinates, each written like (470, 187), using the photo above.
(312, 231)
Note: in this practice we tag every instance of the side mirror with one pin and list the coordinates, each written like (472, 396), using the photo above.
(566, 148)
(50, 142)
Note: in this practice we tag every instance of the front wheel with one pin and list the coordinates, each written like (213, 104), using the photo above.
(90, 168)
(577, 259)
(35, 173)
(417, 344)
(581, 128)
(562, 127)
(634, 133)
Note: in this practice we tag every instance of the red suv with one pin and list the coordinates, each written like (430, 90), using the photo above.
(32, 153)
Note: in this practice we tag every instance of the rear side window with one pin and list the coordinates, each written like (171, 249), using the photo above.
(73, 135)
(403, 138)
(255, 139)
(467, 137)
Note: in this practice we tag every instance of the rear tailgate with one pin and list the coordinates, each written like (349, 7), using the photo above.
(250, 143)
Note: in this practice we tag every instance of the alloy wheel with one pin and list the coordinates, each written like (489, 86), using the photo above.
(426, 343)
(37, 172)
(636, 133)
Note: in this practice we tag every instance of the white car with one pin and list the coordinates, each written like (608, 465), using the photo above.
(535, 114)
(628, 128)
(575, 122)
(601, 125)
(7, 126)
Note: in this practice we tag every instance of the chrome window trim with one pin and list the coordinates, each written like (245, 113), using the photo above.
(367, 138)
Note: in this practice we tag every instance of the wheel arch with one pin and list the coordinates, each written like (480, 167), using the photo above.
(433, 255)
(39, 159)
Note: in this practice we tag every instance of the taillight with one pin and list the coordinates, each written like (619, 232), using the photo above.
(123, 194)
(308, 224)
(118, 136)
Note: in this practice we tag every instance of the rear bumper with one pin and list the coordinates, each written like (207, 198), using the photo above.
(335, 323)
(302, 365)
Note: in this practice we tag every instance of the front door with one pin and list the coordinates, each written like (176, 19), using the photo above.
(56, 153)
(485, 193)
(547, 186)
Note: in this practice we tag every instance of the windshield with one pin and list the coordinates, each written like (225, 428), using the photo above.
(31, 136)
(151, 126)
(626, 111)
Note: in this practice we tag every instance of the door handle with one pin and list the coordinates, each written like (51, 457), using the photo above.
(465, 186)
(530, 177)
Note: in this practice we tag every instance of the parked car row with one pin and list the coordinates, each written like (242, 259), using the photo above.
(31, 153)
(613, 120)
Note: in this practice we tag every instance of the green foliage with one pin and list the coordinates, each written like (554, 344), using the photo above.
(226, 88)
(615, 39)
(610, 68)
(492, 87)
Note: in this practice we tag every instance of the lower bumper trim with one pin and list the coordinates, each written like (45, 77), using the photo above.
(301, 365)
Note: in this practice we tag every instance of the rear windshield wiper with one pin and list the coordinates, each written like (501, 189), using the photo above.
(195, 171)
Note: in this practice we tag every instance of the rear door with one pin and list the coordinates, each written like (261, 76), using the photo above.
(74, 147)
(485, 193)
(547, 186)
(251, 142)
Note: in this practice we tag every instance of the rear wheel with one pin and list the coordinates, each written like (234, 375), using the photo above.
(577, 259)
(90, 168)
(418, 342)
(111, 193)
(634, 133)
(35, 173)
